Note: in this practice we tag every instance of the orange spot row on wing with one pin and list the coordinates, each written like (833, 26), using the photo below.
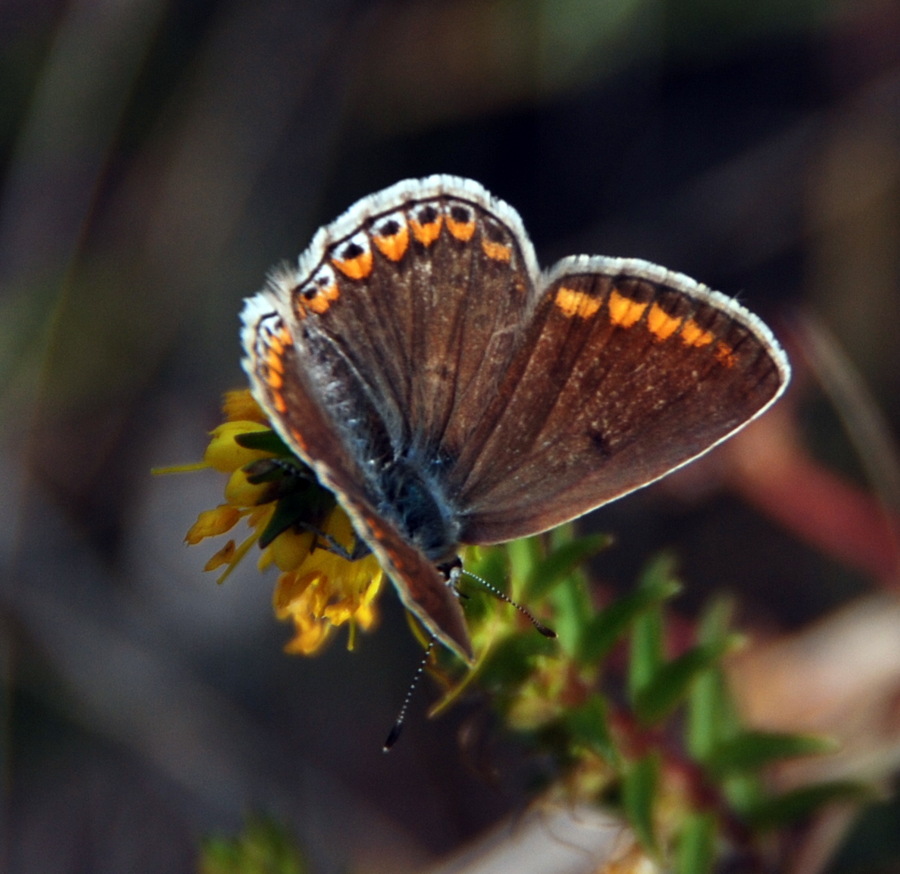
(572, 303)
(316, 296)
(463, 231)
(496, 251)
(393, 247)
(623, 311)
(661, 324)
(725, 354)
(272, 370)
(427, 233)
(298, 437)
(358, 267)
(275, 359)
(693, 335)
(274, 376)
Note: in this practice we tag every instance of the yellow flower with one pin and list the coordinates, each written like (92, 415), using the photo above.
(326, 591)
(297, 523)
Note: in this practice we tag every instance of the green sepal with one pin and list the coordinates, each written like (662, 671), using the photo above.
(647, 637)
(645, 651)
(490, 563)
(306, 507)
(263, 441)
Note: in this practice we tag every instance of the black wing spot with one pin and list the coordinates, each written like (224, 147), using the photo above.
(351, 251)
(495, 232)
(460, 214)
(389, 228)
(427, 215)
(599, 442)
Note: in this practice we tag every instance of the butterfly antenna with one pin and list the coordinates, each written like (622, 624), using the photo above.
(401, 716)
(547, 632)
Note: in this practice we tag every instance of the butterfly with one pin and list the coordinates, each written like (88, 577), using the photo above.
(449, 392)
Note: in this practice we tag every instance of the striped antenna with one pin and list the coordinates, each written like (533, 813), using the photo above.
(547, 632)
(401, 716)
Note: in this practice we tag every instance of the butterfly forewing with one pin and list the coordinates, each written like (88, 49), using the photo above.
(413, 310)
(287, 389)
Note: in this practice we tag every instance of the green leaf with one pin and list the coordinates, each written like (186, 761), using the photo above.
(671, 682)
(511, 661)
(639, 783)
(572, 610)
(562, 561)
(800, 803)
(490, 562)
(751, 751)
(711, 716)
(646, 651)
(588, 726)
(263, 847)
(647, 639)
(659, 571)
(716, 621)
(523, 555)
(610, 624)
(696, 848)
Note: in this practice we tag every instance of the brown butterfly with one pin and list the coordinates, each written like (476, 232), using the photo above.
(448, 392)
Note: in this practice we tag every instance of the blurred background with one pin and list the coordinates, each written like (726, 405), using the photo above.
(159, 157)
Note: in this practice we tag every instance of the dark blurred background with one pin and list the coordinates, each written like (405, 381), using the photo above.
(158, 158)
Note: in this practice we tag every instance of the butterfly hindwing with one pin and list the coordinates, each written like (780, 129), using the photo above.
(627, 372)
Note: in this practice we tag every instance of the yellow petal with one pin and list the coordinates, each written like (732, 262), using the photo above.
(290, 549)
(211, 523)
(241, 493)
(223, 556)
(225, 454)
(239, 405)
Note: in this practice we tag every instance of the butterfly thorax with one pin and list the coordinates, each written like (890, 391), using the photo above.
(417, 503)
